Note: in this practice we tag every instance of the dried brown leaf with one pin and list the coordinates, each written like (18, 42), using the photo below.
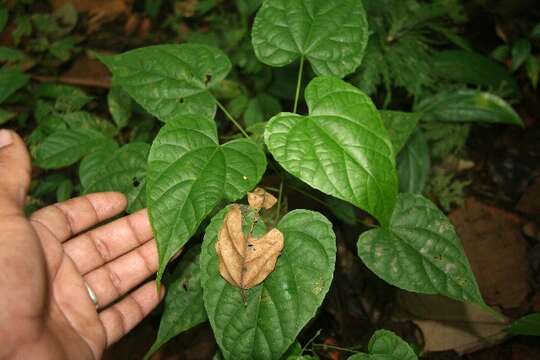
(259, 199)
(245, 263)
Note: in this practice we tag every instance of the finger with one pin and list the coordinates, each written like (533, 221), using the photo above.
(99, 246)
(123, 316)
(68, 218)
(116, 278)
(14, 173)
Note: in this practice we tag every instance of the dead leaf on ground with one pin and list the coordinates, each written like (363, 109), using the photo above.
(245, 263)
(449, 324)
(100, 11)
(260, 198)
(497, 251)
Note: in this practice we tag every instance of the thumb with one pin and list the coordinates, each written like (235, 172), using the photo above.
(15, 172)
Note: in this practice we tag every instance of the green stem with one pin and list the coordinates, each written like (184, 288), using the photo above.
(231, 118)
(298, 83)
(325, 346)
(278, 209)
(311, 340)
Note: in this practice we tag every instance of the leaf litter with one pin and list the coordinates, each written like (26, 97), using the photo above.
(246, 261)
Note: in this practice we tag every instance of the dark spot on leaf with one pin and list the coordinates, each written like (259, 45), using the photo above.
(181, 100)
(136, 182)
(207, 78)
(184, 286)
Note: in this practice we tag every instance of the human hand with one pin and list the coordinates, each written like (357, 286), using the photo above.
(47, 260)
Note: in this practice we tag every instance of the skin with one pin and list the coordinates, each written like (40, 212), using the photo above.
(45, 260)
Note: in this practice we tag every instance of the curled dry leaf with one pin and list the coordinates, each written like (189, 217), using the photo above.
(245, 263)
(259, 199)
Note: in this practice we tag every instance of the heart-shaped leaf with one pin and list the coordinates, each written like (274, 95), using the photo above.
(66, 147)
(420, 251)
(400, 126)
(385, 345)
(341, 148)
(468, 106)
(123, 170)
(184, 307)
(413, 164)
(332, 35)
(189, 173)
(276, 310)
(170, 80)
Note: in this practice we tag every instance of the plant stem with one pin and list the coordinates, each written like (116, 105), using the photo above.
(278, 209)
(231, 118)
(325, 346)
(311, 340)
(298, 83)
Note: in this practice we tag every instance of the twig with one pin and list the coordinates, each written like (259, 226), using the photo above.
(98, 83)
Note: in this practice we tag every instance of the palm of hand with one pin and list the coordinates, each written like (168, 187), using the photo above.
(45, 307)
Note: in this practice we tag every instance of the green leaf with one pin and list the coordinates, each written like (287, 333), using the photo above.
(5, 116)
(385, 345)
(413, 164)
(400, 126)
(533, 70)
(331, 35)
(123, 170)
(3, 17)
(64, 190)
(119, 106)
(472, 68)
(420, 251)
(468, 106)
(83, 119)
(48, 184)
(10, 82)
(68, 98)
(170, 80)
(63, 48)
(66, 147)
(535, 32)
(341, 148)
(520, 52)
(184, 307)
(10, 55)
(501, 53)
(23, 28)
(528, 325)
(261, 108)
(277, 309)
(189, 173)
(343, 210)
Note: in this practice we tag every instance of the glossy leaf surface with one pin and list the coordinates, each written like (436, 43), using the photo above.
(420, 251)
(413, 164)
(385, 345)
(341, 148)
(170, 80)
(400, 126)
(184, 307)
(189, 173)
(331, 35)
(468, 106)
(123, 170)
(277, 309)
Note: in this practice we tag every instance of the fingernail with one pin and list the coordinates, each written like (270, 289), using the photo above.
(5, 138)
